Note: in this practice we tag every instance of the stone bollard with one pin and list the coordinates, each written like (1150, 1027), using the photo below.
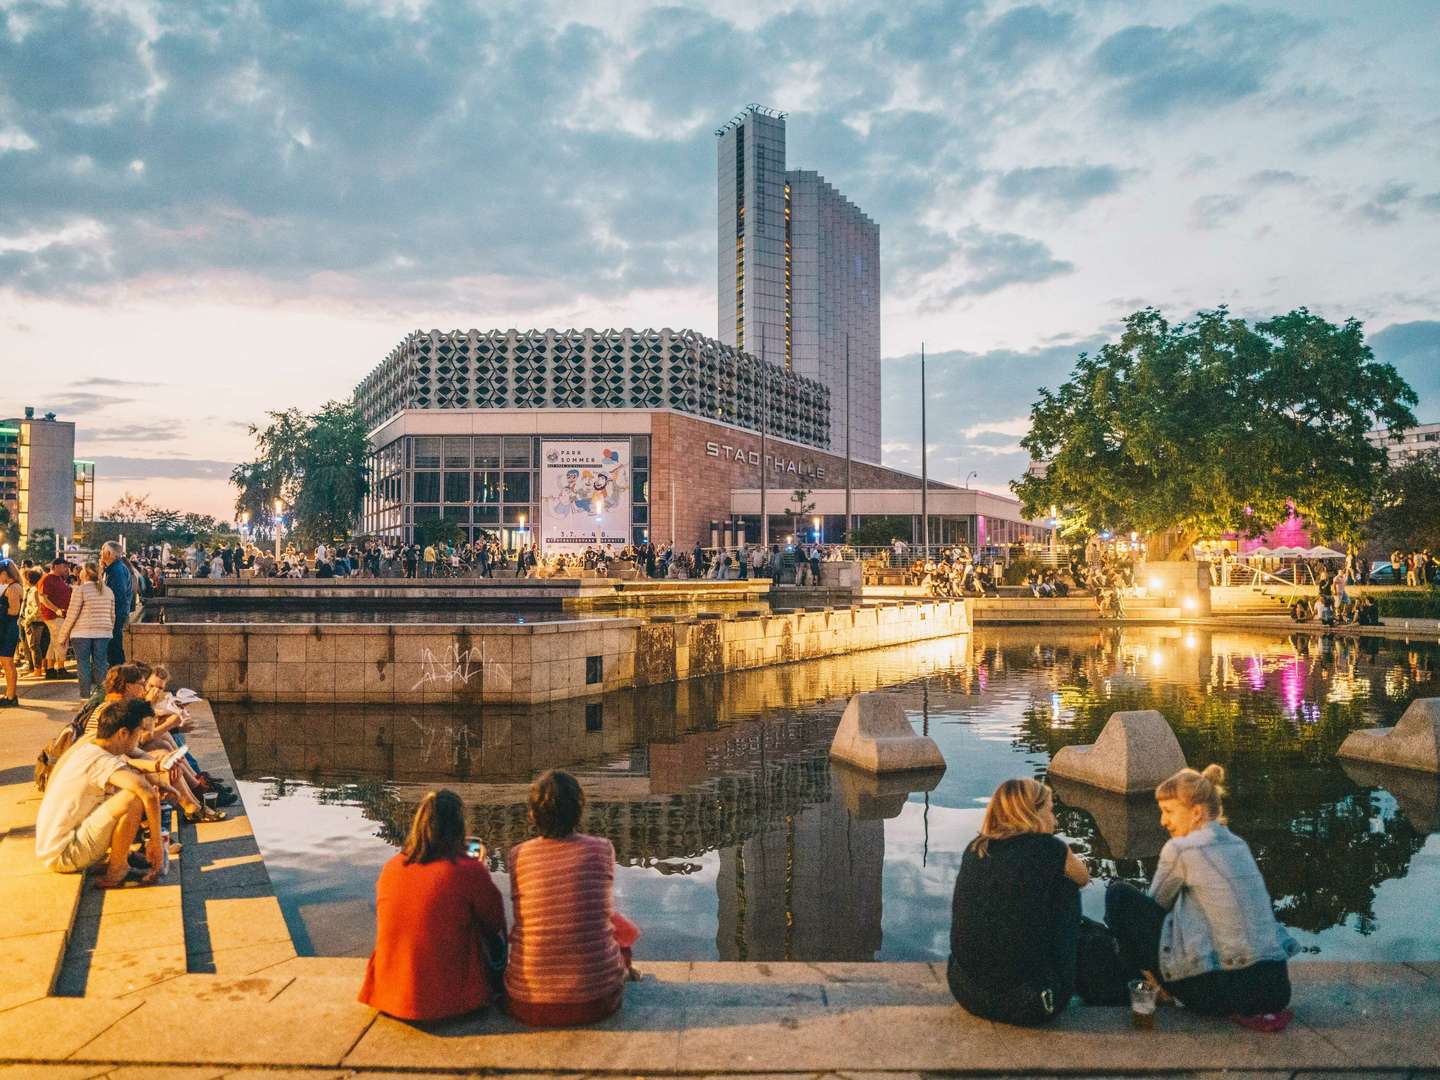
(873, 797)
(1134, 752)
(874, 735)
(1413, 743)
(1416, 793)
(1129, 825)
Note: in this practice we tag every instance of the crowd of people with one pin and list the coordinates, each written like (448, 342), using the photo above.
(110, 777)
(1203, 934)
(48, 612)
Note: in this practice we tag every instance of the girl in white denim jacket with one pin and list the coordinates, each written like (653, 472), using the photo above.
(1206, 928)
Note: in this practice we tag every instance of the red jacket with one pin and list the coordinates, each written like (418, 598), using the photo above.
(427, 962)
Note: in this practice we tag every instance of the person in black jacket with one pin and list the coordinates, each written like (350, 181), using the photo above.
(1015, 917)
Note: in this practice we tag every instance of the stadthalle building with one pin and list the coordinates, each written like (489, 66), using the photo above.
(568, 438)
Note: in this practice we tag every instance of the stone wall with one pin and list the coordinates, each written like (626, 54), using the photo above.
(518, 664)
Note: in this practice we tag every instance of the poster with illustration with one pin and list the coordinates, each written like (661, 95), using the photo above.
(584, 494)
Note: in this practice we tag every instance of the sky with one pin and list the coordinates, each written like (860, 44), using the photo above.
(209, 209)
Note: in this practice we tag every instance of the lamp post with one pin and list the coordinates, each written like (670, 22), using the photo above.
(525, 532)
(278, 507)
(924, 466)
(819, 524)
(972, 472)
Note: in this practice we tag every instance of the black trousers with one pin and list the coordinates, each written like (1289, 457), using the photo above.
(115, 651)
(1136, 920)
(1033, 1002)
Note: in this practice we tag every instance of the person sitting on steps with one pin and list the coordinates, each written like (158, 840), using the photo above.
(1206, 930)
(1015, 922)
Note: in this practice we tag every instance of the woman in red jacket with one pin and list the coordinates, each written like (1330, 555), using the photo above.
(434, 906)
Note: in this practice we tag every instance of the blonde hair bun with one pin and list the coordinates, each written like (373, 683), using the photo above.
(1216, 775)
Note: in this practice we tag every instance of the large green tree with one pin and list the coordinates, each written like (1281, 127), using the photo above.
(1407, 513)
(315, 464)
(1214, 425)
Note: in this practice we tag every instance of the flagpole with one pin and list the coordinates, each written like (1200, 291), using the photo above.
(924, 464)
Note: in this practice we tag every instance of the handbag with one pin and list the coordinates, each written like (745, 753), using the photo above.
(1100, 975)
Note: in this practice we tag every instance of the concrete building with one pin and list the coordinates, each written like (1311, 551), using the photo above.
(42, 484)
(799, 274)
(1407, 445)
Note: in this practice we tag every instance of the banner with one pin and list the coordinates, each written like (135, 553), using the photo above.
(584, 494)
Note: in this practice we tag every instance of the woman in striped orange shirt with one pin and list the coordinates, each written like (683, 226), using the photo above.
(569, 951)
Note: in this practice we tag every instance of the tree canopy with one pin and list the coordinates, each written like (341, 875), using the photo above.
(1214, 425)
(1407, 514)
(316, 466)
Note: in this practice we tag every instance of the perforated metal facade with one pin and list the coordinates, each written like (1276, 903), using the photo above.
(594, 369)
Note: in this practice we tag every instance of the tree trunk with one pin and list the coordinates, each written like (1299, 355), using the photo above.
(1172, 544)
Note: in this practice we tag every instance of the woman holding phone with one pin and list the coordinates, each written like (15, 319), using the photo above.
(435, 910)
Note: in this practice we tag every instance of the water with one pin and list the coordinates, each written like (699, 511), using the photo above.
(736, 838)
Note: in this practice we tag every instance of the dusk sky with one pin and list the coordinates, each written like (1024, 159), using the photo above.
(210, 209)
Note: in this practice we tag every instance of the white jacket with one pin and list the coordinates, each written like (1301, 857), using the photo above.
(91, 614)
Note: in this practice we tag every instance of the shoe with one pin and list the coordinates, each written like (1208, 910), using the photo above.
(226, 798)
(9, 702)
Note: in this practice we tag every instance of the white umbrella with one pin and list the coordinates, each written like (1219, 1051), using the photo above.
(1259, 552)
(1289, 552)
(1319, 552)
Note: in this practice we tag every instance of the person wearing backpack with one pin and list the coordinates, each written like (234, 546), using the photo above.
(12, 598)
(88, 627)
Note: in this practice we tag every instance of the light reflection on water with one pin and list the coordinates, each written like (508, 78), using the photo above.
(738, 840)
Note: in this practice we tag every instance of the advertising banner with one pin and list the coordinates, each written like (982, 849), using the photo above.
(584, 494)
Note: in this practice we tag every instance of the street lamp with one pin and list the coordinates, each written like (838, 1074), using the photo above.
(522, 529)
(972, 472)
(278, 507)
(817, 521)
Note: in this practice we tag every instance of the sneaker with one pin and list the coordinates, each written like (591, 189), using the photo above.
(9, 702)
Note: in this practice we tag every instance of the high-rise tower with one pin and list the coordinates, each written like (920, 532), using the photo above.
(799, 274)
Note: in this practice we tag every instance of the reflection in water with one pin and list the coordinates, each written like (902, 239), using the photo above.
(737, 839)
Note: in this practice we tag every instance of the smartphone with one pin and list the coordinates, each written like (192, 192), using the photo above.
(474, 847)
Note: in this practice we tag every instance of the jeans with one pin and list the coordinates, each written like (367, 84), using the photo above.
(115, 652)
(92, 662)
(1030, 1004)
(1136, 920)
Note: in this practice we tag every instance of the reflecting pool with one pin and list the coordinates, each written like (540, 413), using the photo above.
(737, 839)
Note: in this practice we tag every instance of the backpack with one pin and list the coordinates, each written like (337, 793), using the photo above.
(1100, 975)
(63, 739)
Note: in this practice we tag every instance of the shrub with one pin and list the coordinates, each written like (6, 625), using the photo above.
(1408, 604)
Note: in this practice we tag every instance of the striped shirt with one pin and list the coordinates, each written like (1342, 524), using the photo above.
(562, 943)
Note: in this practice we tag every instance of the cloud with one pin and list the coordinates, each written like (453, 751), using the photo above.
(1384, 206)
(1221, 56)
(1213, 211)
(82, 403)
(144, 432)
(1069, 186)
(990, 261)
(1273, 178)
(143, 468)
(1333, 136)
(1414, 349)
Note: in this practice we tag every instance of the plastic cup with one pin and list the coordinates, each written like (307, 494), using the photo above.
(1142, 1004)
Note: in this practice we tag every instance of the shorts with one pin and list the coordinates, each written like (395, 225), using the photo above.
(90, 843)
(58, 648)
(9, 638)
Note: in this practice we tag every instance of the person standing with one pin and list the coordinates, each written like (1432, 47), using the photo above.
(12, 599)
(88, 626)
(122, 585)
(54, 599)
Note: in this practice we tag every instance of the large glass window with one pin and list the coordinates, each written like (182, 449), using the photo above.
(519, 515)
(641, 491)
(487, 487)
(457, 452)
(517, 452)
(457, 487)
(517, 487)
(640, 451)
(427, 487)
(486, 515)
(487, 451)
(427, 452)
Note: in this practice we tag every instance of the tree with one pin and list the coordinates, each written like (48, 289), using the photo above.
(1213, 426)
(1407, 514)
(880, 531)
(800, 506)
(130, 508)
(316, 465)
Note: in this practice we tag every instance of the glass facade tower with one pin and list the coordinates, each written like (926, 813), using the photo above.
(799, 274)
